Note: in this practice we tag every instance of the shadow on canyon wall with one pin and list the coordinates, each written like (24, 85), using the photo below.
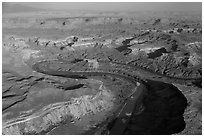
(164, 106)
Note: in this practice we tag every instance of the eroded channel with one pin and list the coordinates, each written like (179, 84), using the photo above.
(156, 102)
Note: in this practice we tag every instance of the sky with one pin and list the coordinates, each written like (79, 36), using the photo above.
(115, 6)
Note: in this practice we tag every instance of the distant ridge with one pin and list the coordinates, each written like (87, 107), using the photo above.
(16, 8)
